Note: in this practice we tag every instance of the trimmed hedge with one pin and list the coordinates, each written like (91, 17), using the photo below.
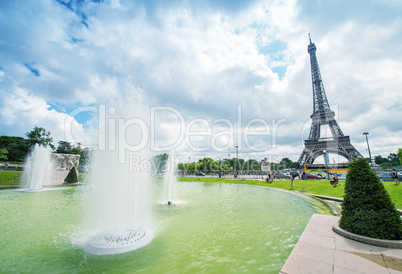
(367, 208)
(71, 176)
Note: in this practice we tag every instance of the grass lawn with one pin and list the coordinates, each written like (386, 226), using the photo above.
(6, 177)
(319, 187)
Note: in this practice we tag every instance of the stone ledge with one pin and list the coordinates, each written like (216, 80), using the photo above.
(325, 197)
(367, 240)
(336, 199)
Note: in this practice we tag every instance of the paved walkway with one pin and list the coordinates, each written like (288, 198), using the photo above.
(320, 250)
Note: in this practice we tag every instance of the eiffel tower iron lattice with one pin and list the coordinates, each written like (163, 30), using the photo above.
(322, 115)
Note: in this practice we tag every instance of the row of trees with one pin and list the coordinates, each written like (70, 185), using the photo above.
(15, 148)
(394, 159)
(209, 165)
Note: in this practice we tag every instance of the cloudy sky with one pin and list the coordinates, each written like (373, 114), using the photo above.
(213, 74)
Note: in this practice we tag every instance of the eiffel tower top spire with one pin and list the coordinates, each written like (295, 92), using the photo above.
(320, 98)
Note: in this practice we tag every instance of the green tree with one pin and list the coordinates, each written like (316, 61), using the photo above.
(286, 162)
(182, 167)
(367, 208)
(252, 164)
(3, 153)
(208, 165)
(85, 157)
(393, 158)
(400, 155)
(17, 147)
(64, 147)
(77, 149)
(274, 166)
(159, 162)
(39, 135)
(380, 160)
(296, 165)
(224, 166)
(389, 164)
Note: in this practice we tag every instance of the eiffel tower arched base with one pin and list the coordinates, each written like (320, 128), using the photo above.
(314, 149)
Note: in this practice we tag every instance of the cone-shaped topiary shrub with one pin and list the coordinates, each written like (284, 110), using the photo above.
(367, 209)
(71, 176)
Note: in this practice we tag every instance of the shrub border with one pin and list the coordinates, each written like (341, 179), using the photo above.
(367, 240)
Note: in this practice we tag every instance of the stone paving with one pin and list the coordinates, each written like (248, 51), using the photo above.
(320, 250)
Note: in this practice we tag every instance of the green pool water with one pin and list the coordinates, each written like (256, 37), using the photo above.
(221, 228)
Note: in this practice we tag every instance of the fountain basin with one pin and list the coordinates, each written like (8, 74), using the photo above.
(222, 228)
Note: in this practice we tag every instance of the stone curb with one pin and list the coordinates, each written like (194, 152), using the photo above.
(367, 240)
(337, 199)
(326, 197)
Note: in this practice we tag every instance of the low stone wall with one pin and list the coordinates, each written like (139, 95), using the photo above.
(367, 240)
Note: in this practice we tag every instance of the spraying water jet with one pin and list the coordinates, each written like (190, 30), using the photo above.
(37, 169)
(118, 206)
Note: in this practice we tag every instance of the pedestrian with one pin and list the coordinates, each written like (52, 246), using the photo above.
(291, 182)
(5, 165)
(395, 176)
(271, 177)
(336, 179)
(304, 175)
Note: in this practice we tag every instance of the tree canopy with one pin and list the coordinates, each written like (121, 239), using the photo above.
(392, 160)
(17, 147)
(39, 135)
(68, 148)
(159, 162)
(3, 153)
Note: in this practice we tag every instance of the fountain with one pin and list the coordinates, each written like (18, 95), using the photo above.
(224, 228)
(117, 195)
(37, 169)
(170, 180)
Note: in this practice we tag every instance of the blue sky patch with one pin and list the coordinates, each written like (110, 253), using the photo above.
(81, 117)
(272, 48)
(32, 69)
(76, 40)
(280, 71)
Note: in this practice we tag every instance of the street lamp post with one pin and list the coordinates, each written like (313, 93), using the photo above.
(325, 161)
(368, 147)
(237, 160)
(220, 168)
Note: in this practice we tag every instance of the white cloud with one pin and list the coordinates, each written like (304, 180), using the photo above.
(204, 60)
(23, 111)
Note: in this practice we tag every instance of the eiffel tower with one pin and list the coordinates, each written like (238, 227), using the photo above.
(323, 115)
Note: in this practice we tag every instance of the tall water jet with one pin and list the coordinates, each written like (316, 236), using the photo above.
(170, 177)
(37, 169)
(170, 180)
(118, 206)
